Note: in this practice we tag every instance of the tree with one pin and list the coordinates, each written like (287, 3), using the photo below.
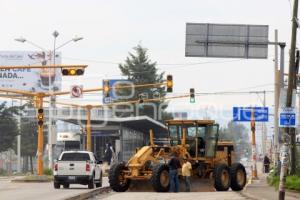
(139, 69)
(29, 137)
(8, 126)
(237, 133)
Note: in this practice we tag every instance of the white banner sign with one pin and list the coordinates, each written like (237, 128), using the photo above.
(35, 80)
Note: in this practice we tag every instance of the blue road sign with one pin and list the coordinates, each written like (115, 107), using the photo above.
(287, 117)
(113, 94)
(243, 114)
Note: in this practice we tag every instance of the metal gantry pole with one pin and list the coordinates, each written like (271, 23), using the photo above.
(276, 100)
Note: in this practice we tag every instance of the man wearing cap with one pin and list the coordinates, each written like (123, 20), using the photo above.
(174, 165)
(186, 173)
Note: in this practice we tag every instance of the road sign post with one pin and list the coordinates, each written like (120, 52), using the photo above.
(252, 115)
(254, 167)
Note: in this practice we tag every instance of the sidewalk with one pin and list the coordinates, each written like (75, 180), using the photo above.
(260, 190)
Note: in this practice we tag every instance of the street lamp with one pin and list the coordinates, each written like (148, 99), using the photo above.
(23, 40)
(55, 35)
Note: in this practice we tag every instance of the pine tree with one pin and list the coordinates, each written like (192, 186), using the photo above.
(8, 127)
(139, 69)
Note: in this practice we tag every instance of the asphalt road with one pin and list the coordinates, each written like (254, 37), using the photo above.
(38, 191)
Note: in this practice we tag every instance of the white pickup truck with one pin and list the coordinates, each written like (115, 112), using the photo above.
(77, 167)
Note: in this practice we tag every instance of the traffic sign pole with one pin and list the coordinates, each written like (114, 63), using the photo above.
(254, 168)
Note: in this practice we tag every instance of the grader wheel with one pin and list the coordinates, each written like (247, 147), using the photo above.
(238, 176)
(221, 177)
(116, 178)
(160, 178)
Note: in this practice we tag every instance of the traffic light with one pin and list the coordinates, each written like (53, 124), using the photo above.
(72, 71)
(106, 88)
(40, 116)
(141, 99)
(192, 95)
(169, 83)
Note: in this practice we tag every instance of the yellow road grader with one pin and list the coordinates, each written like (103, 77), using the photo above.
(196, 140)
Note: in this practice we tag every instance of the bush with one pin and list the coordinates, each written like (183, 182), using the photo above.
(48, 172)
(293, 183)
(3, 172)
(273, 180)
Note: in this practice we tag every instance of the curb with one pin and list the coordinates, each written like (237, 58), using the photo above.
(30, 181)
(90, 194)
(249, 196)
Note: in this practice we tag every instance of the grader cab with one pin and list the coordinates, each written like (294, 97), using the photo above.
(196, 140)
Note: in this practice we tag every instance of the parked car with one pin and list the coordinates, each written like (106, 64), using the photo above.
(77, 167)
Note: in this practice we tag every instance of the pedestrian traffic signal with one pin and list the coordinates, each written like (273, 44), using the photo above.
(72, 71)
(169, 83)
(106, 88)
(40, 116)
(192, 95)
(141, 99)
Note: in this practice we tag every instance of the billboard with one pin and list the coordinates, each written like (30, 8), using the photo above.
(35, 80)
(226, 40)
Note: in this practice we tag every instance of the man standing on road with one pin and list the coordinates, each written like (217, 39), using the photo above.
(174, 165)
(186, 173)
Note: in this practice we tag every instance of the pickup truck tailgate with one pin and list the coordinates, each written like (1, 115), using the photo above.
(72, 168)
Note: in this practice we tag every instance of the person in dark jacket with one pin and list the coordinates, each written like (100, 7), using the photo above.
(174, 165)
(266, 164)
(107, 154)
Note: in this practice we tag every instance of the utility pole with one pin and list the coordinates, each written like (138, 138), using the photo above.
(276, 102)
(51, 123)
(292, 76)
(293, 130)
(19, 141)
(264, 128)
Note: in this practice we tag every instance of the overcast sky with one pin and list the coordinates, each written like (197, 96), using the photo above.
(111, 28)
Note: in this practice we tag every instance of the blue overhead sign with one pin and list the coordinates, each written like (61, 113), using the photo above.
(113, 93)
(287, 117)
(243, 114)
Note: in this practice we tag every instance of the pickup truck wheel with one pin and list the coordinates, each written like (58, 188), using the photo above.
(116, 178)
(66, 185)
(91, 184)
(56, 185)
(99, 184)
